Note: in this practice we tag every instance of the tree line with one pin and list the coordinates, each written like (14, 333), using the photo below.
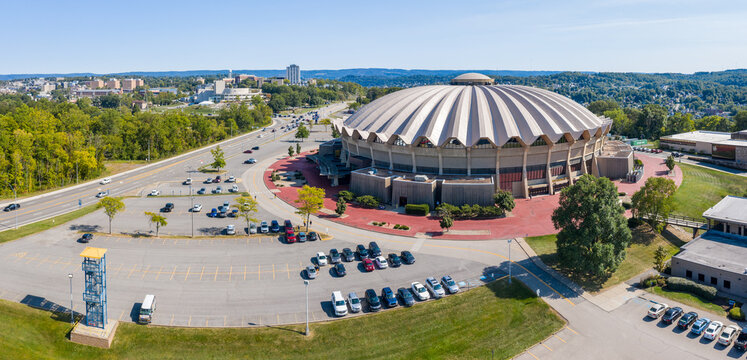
(285, 96)
(46, 144)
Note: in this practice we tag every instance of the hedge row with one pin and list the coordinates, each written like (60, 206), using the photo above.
(737, 314)
(470, 212)
(682, 284)
(417, 209)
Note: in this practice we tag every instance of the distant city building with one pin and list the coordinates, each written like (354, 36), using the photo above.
(47, 88)
(293, 74)
(92, 93)
(112, 84)
(730, 147)
(217, 92)
(312, 81)
(156, 91)
(140, 104)
(129, 85)
(200, 81)
(95, 84)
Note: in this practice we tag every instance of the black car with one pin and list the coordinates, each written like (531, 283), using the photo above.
(374, 304)
(12, 207)
(348, 255)
(255, 148)
(740, 343)
(389, 299)
(313, 236)
(168, 207)
(374, 249)
(201, 191)
(394, 260)
(334, 256)
(687, 320)
(406, 296)
(274, 226)
(671, 315)
(362, 251)
(340, 269)
(407, 257)
(86, 238)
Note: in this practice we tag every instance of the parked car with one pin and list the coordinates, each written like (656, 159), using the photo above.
(196, 207)
(394, 260)
(727, 336)
(657, 310)
(222, 212)
(155, 192)
(213, 213)
(374, 304)
(247, 151)
(217, 179)
(101, 194)
(420, 291)
(381, 262)
(252, 228)
(407, 257)
(700, 325)
(311, 272)
(434, 287)
(290, 236)
(713, 330)
(338, 303)
(14, 206)
(387, 295)
(301, 236)
(230, 230)
(263, 227)
(740, 343)
(218, 190)
(354, 302)
(250, 161)
(168, 207)
(288, 225)
(406, 296)
(209, 181)
(340, 270)
(374, 249)
(313, 236)
(231, 179)
(334, 256)
(368, 265)
(671, 315)
(86, 238)
(362, 251)
(201, 191)
(234, 213)
(449, 284)
(105, 181)
(348, 254)
(188, 181)
(274, 226)
(687, 320)
(234, 188)
(255, 148)
(321, 259)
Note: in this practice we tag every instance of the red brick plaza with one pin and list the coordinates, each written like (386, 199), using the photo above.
(531, 217)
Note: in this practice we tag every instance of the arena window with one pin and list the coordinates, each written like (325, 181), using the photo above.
(512, 143)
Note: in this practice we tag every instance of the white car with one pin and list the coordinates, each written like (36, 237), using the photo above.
(155, 193)
(321, 259)
(264, 228)
(102, 194)
(188, 181)
(231, 179)
(230, 230)
(338, 303)
(197, 208)
(252, 228)
(105, 181)
(713, 330)
(657, 310)
(730, 332)
(355, 302)
(311, 272)
(436, 289)
(234, 188)
(420, 291)
(381, 262)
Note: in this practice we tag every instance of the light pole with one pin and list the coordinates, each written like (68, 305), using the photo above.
(306, 282)
(192, 209)
(509, 261)
(72, 317)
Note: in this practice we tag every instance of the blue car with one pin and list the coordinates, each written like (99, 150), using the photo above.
(274, 226)
(389, 299)
(700, 325)
(213, 213)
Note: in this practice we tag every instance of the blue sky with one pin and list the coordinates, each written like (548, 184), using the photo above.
(604, 35)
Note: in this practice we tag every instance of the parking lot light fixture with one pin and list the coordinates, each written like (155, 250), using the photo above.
(509, 261)
(306, 283)
(72, 315)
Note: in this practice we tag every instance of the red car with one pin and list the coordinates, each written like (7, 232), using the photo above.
(217, 179)
(248, 151)
(368, 265)
(290, 236)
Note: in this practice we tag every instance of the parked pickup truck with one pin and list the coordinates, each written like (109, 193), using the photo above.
(741, 341)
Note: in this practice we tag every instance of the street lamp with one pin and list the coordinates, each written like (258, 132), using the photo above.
(192, 209)
(72, 317)
(509, 261)
(306, 282)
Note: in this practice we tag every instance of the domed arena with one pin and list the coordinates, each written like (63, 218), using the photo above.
(460, 143)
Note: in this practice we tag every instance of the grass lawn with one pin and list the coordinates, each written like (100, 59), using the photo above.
(640, 256)
(702, 188)
(42, 225)
(688, 299)
(501, 317)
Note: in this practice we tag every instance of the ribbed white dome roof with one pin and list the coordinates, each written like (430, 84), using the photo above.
(470, 113)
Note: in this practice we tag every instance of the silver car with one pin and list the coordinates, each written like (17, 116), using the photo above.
(449, 283)
(311, 272)
(252, 228)
(354, 302)
(435, 288)
(264, 228)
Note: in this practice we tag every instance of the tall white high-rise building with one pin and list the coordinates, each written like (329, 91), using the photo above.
(293, 74)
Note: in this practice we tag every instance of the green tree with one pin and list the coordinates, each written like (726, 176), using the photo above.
(219, 159)
(298, 148)
(593, 229)
(651, 121)
(157, 220)
(599, 107)
(247, 207)
(740, 120)
(670, 163)
(325, 122)
(290, 151)
(311, 200)
(335, 133)
(446, 222)
(302, 132)
(654, 201)
(111, 206)
(660, 259)
(341, 206)
(504, 200)
(621, 123)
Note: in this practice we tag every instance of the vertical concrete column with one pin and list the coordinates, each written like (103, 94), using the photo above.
(548, 175)
(440, 162)
(391, 162)
(584, 170)
(497, 169)
(469, 161)
(357, 147)
(347, 153)
(524, 183)
(373, 161)
(568, 164)
(412, 152)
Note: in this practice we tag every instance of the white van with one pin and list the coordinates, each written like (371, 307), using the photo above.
(338, 302)
(147, 309)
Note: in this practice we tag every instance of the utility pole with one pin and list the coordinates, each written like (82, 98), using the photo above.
(192, 209)
(72, 315)
(306, 282)
(509, 261)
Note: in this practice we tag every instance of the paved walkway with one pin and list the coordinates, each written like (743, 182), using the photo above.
(531, 217)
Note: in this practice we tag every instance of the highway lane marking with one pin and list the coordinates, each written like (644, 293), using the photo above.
(45, 260)
(172, 273)
(273, 271)
(206, 322)
(287, 268)
(159, 272)
(225, 318)
(560, 338)
(131, 271)
(574, 331)
(189, 323)
(152, 241)
(277, 316)
(58, 261)
(164, 242)
(530, 353)
(145, 272)
(202, 272)
(186, 276)
(545, 345)
(244, 272)
(31, 259)
(216, 274)
(230, 272)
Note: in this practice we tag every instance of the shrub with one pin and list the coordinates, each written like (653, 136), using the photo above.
(653, 280)
(736, 313)
(638, 162)
(348, 196)
(401, 227)
(622, 194)
(396, 226)
(367, 201)
(682, 284)
(417, 209)
(504, 200)
(634, 222)
(627, 205)
(469, 212)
